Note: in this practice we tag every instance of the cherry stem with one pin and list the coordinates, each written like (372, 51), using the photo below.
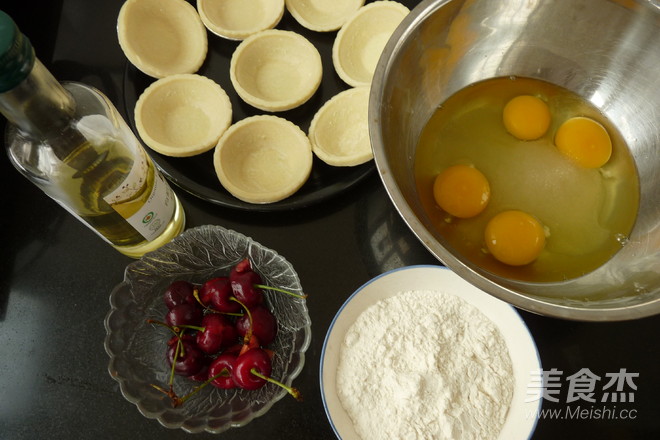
(196, 295)
(178, 401)
(277, 289)
(170, 328)
(191, 327)
(176, 329)
(178, 351)
(169, 393)
(293, 391)
(210, 309)
(227, 313)
(248, 333)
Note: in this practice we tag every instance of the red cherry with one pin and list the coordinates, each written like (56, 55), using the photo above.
(264, 324)
(242, 266)
(243, 284)
(179, 292)
(223, 366)
(184, 314)
(186, 337)
(234, 349)
(203, 374)
(189, 360)
(244, 287)
(217, 293)
(206, 289)
(256, 359)
(218, 333)
(248, 344)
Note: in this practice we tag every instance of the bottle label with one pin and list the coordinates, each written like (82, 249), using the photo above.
(151, 212)
(154, 216)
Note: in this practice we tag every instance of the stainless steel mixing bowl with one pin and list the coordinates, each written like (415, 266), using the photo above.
(607, 51)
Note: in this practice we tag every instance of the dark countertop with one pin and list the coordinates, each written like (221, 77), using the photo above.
(57, 275)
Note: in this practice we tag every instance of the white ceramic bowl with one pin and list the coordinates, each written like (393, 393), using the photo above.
(162, 37)
(522, 350)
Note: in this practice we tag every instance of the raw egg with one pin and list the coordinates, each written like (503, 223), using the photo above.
(581, 209)
(526, 117)
(461, 190)
(585, 141)
(514, 237)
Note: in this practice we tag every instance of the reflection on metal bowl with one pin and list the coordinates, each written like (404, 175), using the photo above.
(564, 42)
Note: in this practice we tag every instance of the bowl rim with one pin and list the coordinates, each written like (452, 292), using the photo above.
(158, 92)
(351, 30)
(350, 101)
(298, 151)
(307, 52)
(532, 355)
(311, 21)
(187, 17)
(577, 310)
(124, 288)
(273, 11)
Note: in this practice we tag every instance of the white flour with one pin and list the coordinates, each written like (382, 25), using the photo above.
(425, 365)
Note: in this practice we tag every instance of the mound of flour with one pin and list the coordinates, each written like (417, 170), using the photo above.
(425, 365)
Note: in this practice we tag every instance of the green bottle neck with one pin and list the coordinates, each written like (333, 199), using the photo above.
(38, 106)
(16, 54)
(30, 97)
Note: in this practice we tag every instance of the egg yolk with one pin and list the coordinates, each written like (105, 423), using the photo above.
(526, 117)
(461, 190)
(514, 237)
(585, 141)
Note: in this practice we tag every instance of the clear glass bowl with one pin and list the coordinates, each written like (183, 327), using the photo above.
(137, 348)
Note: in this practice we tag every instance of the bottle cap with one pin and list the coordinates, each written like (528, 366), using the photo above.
(16, 54)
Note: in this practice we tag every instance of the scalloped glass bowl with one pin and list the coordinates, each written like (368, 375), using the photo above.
(137, 349)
